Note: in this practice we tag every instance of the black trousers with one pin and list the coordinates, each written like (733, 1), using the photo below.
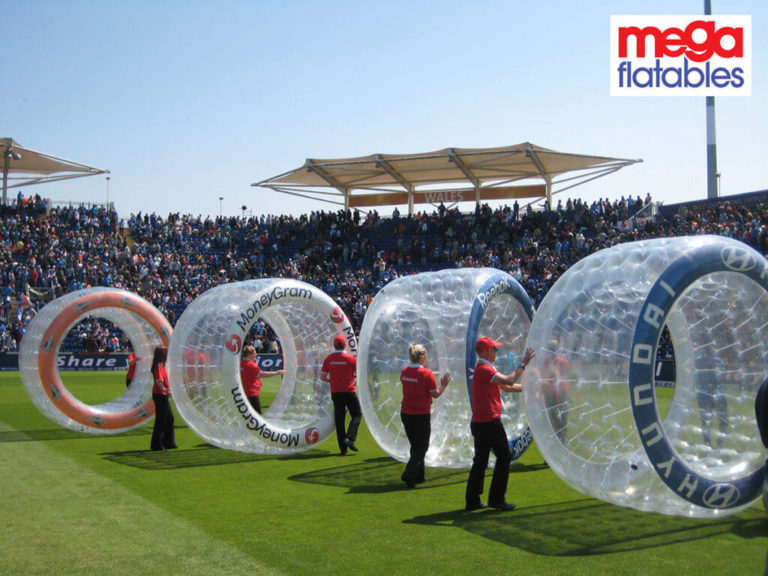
(163, 436)
(418, 429)
(489, 436)
(255, 402)
(343, 401)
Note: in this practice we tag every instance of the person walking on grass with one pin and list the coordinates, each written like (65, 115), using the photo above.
(487, 430)
(339, 369)
(163, 437)
(419, 388)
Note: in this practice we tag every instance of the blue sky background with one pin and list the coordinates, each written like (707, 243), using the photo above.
(187, 101)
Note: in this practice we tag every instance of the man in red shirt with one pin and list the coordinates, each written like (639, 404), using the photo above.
(339, 369)
(487, 429)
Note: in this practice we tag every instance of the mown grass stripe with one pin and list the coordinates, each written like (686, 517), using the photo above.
(61, 518)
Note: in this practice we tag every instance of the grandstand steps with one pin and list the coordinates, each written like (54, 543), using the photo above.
(127, 236)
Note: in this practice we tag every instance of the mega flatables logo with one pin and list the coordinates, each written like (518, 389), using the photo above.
(681, 56)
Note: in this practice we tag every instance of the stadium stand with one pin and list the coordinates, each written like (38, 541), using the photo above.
(47, 252)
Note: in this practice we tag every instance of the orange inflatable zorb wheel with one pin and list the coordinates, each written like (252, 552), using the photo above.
(141, 322)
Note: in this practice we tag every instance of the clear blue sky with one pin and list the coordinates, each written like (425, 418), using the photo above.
(189, 100)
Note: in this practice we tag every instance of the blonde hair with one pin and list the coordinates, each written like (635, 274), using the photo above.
(248, 350)
(416, 351)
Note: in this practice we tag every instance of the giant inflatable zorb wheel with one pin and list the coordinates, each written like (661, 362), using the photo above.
(590, 392)
(141, 322)
(445, 311)
(204, 365)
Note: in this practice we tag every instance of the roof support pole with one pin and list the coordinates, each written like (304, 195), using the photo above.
(531, 153)
(548, 181)
(6, 162)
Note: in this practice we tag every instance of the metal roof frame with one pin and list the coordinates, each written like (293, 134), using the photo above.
(451, 175)
(26, 167)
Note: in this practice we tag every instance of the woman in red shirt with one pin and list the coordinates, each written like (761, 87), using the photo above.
(251, 375)
(163, 437)
(419, 388)
(132, 361)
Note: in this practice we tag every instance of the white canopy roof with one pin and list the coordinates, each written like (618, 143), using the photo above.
(449, 176)
(24, 167)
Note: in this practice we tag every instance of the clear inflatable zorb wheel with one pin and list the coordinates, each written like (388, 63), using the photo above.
(590, 392)
(141, 322)
(445, 311)
(204, 365)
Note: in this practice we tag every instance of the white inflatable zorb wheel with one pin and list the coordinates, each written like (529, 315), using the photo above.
(446, 311)
(141, 322)
(204, 365)
(590, 392)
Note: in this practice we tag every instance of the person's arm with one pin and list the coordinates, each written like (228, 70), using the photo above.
(268, 373)
(163, 384)
(437, 392)
(508, 382)
(325, 377)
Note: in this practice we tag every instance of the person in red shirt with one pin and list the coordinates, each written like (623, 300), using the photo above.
(339, 369)
(163, 437)
(132, 361)
(487, 429)
(419, 388)
(553, 382)
(251, 375)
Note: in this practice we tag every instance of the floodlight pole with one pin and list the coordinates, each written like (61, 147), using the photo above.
(712, 174)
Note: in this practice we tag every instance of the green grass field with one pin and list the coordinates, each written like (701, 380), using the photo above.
(77, 504)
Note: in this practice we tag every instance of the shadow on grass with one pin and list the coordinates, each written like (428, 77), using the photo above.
(174, 459)
(590, 527)
(58, 434)
(376, 476)
(201, 455)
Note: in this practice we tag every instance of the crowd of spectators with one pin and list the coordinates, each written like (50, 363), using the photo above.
(47, 252)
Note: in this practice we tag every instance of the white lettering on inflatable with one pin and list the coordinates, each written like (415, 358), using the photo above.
(642, 353)
(643, 395)
(653, 428)
(688, 483)
(666, 467)
(654, 315)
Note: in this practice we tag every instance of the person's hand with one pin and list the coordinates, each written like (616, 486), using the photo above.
(445, 379)
(528, 355)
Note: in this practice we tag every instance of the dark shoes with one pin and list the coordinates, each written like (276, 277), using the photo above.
(351, 445)
(503, 507)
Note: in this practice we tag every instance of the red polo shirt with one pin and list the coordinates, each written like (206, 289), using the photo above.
(249, 376)
(486, 395)
(417, 381)
(160, 374)
(341, 367)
